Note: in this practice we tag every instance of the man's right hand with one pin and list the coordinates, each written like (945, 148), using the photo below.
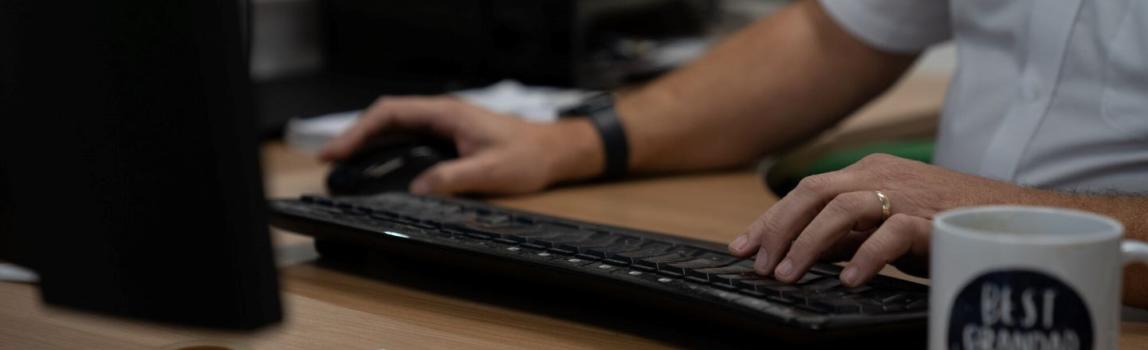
(498, 153)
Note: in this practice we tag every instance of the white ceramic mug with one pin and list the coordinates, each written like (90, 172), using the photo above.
(1012, 277)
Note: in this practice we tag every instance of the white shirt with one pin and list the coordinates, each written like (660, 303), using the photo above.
(1048, 93)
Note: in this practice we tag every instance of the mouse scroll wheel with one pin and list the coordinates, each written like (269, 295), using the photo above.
(381, 170)
(422, 152)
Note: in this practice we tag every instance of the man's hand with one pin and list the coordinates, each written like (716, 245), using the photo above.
(833, 215)
(497, 153)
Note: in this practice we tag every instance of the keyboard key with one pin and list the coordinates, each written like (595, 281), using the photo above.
(918, 305)
(649, 248)
(705, 260)
(737, 267)
(895, 297)
(784, 290)
(730, 280)
(818, 309)
(592, 241)
(676, 254)
(706, 274)
(576, 261)
(495, 220)
(826, 269)
(606, 267)
(837, 305)
(536, 245)
(622, 244)
(759, 285)
(782, 299)
(479, 235)
(509, 239)
(552, 239)
(817, 284)
(871, 306)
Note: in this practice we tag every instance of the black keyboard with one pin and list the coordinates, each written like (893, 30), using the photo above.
(690, 277)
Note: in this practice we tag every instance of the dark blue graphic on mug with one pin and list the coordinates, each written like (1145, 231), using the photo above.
(1019, 309)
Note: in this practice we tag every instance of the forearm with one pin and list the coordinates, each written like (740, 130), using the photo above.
(1132, 211)
(782, 80)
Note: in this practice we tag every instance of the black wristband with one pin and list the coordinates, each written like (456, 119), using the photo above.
(615, 148)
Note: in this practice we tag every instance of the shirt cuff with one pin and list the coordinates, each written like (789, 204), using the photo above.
(898, 26)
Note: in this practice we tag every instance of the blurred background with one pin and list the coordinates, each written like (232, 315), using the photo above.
(317, 57)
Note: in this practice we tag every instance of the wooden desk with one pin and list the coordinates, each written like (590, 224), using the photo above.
(335, 310)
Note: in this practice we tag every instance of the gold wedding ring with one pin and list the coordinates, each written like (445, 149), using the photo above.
(886, 208)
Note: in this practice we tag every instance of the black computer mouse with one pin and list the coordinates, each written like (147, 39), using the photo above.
(388, 164)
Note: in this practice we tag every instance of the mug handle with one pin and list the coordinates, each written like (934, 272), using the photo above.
(1133, 251)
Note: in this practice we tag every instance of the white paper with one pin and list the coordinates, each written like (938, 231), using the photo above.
(13, 273)
(537, 104)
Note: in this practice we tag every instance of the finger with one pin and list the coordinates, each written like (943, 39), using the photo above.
(781, 224)
(899, 235)
(846, 246)
(750, 241)
(847, 211)
(747, 243)
(469, 174)
(440, 114)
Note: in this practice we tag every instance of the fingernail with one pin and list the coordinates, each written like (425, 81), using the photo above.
(739, 243)
(849, 276)
(420, 186)
(785, 269)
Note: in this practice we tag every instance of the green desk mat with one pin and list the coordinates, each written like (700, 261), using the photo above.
(783, 176)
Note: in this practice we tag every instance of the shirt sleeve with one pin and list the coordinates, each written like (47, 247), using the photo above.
(901, 26)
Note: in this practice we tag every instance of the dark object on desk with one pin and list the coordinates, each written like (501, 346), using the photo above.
(389, 163)
(698, 282)
(130, 178)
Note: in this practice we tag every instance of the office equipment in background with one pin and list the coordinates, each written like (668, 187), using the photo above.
(130, 177)
(371, 48)
(555, 43)
(698, 283)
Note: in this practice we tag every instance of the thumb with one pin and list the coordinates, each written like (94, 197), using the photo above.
(461, 175)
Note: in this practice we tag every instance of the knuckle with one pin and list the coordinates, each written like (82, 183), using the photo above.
(759, 227)
(845, 204)
(900, 223)
(877, 249)
(814, 184)
(801, 250)
(877, 158)
(439, 175)
(448, 104)
(872, 258)
(838, 207)
(771, 231)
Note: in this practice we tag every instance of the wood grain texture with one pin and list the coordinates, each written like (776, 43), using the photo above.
(330, 309)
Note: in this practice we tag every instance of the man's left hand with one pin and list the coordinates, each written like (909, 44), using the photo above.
(837, 214)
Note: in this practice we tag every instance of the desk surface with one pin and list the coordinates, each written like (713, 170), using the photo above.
(336, 310)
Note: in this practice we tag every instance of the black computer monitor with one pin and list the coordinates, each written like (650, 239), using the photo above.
(129, 172)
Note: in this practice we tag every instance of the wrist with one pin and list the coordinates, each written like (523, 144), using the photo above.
(575, 150)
